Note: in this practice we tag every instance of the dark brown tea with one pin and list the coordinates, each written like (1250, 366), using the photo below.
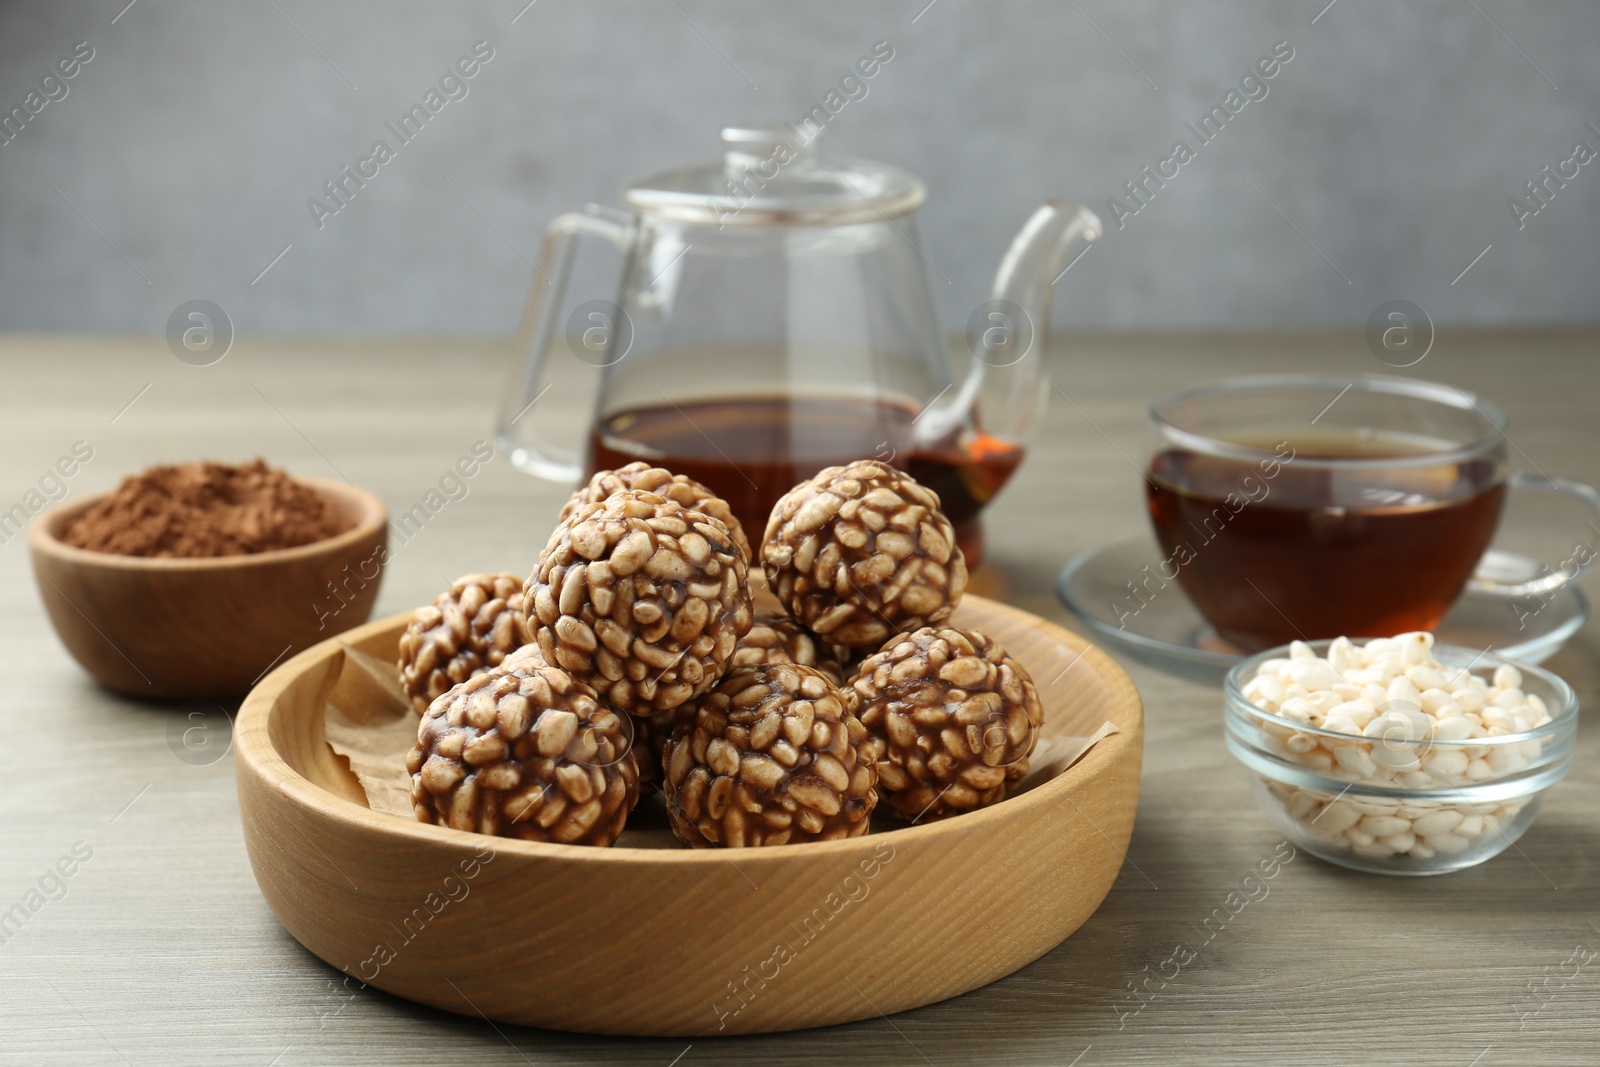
(752, 450)
(1280, 548)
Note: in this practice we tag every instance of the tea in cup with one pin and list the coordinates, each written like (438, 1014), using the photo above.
(1302, 508)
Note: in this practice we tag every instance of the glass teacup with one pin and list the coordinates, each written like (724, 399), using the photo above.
(1303, 508)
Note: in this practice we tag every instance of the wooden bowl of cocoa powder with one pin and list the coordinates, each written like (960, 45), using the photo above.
(193, 581)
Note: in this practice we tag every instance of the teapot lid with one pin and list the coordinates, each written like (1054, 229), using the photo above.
(771, 175)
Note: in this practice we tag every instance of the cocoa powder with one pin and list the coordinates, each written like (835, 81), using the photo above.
(199, 510)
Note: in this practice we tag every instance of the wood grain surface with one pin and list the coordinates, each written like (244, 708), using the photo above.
(160, 949)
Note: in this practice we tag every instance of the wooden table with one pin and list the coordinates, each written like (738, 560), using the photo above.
(163, 952)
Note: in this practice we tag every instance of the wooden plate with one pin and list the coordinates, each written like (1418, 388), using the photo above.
(679, 941)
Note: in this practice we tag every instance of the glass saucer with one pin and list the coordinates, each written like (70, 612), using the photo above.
(1167, 633)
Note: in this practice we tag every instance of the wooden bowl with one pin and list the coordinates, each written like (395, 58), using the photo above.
(189, 628)
(678, 941)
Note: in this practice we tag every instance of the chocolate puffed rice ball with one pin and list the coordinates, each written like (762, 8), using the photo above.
(952, 718)
(525, 751)
(641, 598)
(470, 628)
(776, 638)
(770, 757)
(862, 552)
(662, 482)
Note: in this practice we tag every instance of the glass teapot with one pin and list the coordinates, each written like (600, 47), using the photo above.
(775, 316)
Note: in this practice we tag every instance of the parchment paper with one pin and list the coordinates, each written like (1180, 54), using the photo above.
(370, 723)
(1054, 755)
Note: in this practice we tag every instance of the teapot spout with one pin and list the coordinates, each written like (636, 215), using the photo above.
(1034, 262)
(1008, 348)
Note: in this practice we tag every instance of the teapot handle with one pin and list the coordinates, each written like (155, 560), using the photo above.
(538, 324)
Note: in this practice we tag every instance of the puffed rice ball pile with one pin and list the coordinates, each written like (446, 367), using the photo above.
(1409, 717)
(641, 641)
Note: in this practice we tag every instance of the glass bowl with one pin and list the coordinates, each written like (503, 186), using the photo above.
(1389, 827)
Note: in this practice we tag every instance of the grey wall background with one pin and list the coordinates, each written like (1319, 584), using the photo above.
(1391, 141)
